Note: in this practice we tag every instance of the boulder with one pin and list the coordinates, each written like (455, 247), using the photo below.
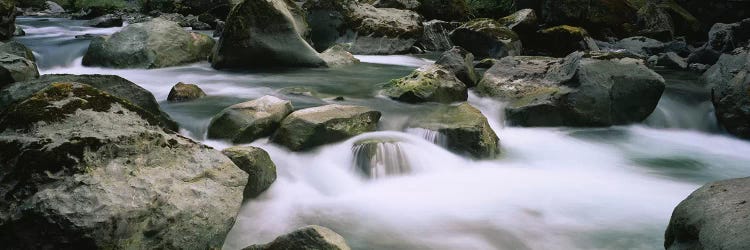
(655, 22)
(487, 38)
(309, 237)
(257, 164)
(671, 60)
(18, 49)
(461, 63)
(155, 44)
(594, 89)
(524, 22)
(446, 10)
(465, 129)
(431, 83)
(7, 19)
(251, 35)
(436, 36)
(712, 217)
(181, 92)
(600, 17)
(111, 84)
(19, 31)
(729, 80)
(311, 127)
(337, 55)
(53, 8)
(640, 45)
(722, 38)
(560, 41)
(105, 21)
(82, 169)
(14, 68)
(249, 121)
(683, 22)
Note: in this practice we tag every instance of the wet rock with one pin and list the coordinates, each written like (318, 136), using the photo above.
(219, 29)
(655, 22)
(249, 121)
(560, 41)
(257, 164)
(431, 83)
(487, 38)
(18, 49)
(712, 217)
(311, 127)
(182, 92)
(595, 89)
(461, 63)
(110, 84)
(337, 55)
(379, 158)
(19, 31)
(84, 169)
(7, 19)
(465, 129)
(53, 8)
(640, 45)
(155, 44)
(698, 68)
(722, 38)
(14, 68)
(599, 17)
(248, 33)
(729, 80)
(436, 36)
(105, 21)
(671, 60)
(309, 237)
(447, 10)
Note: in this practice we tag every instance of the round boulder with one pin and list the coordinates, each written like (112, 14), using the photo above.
(312, 127)
(432, 83)
(182, 92)
(249, 121)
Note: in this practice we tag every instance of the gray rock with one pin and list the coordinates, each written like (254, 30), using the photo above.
(595, 89)
(560, 41)
(257, 164)
(397, 4)
(461, 63)
(337, 55)
(487, 38)
(19, 31)
(655, 22)
(448, 10)
(309, 237)
(311, 127)
(698, 68)
(7, 19)
(729, 80)
(186, 21)
(722, 38)
(524, 22)
(14, 68)
(53, 8)
(105, 21)
(182, 92)
(155, 44)
(640, 45)
(712, 217)
(436, 36)
(86, 170)
(249, 121)
(671, 60)
(18, 49)
(465, 129)
(431, 83)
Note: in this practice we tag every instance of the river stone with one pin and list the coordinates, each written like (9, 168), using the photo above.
(461, 63)
(311, 127)
(431, 83)
(729, 80)
(82, 169)
(249, 121)
(111, 84)
(487, 38)
(7, 19)
(713, 217)
(397, 4)
(436, 36)
(337, 55)
(257, 164)
(252, 34)
(105, 21)
(595, 89)
(16, 69)
(309, 237)
(181, 92)
(18, 49)
(154, 44)
(465, 129)
(560, 41)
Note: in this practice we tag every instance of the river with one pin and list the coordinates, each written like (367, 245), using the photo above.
(553, 188)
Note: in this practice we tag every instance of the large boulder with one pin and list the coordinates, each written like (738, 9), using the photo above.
(436, 36)
(82, 169)
(729, 80)
(722, 38)
(431, 83)
(257, 164)
(249, 121)
(671, 60)
(312, 127)
(465, 129)
(7, 19)
(111, 84)
(182, 92)
(562, 40)
(487, 38)
(14, 68)
(599, 17)
(309, 237)
(155, 44)
(252, 34)
(461, 63)
(713, 217)
(595, 89)
(447, 10)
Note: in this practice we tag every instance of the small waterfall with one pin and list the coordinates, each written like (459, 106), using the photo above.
(430, 135)
(378, 159)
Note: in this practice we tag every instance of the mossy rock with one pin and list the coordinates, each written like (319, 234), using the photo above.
(465, 128)
(257, 164)
(18, 49)
(311, 127)
(432, 83)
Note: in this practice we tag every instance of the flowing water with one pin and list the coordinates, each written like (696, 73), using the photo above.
(553, 188)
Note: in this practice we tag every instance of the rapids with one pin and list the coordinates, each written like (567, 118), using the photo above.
(553, 188)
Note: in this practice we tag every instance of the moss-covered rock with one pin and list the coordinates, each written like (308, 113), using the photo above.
(487, 38)
(461, 63)
(7, 19)
(309, 237)
(465, 129)
(257, 164)
(14, 68)
(562, 40)
(432, 83)
(155, 44)
(249, 121)
(311, 127)
(182, 92)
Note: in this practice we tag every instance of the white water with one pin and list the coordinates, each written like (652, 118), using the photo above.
(553, 188)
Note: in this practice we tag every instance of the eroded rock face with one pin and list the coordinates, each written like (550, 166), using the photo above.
(155, 44)
(80, 168)
(249, 121)
(257, 164)
(465, 129)
(311, 127)
(712, 217)
(729, 80)
(487, 38)
(432, 83)
(309, 237)
(595, 89)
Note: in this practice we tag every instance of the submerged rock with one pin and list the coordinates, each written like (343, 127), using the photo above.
(465, 129)
(14, 68)
(253, 34)
(431, 83)
(712, 217)
(487, 38)
(461, 63)
(311, 127)
(309, 237)
(377, 158)
(560, 41)
(155, 44)
(182, 92)
(257, 164)
(249, 121)
(596, 89)
(85, 169)
(729, 80)
(337, 55)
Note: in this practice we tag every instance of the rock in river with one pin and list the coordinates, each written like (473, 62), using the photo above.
(431, 83)
(309, 237)
(461, 63)
(729, 80)
(465, 129)
(257, 164)
(311, 127)
(248, 121)
(182, 92)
